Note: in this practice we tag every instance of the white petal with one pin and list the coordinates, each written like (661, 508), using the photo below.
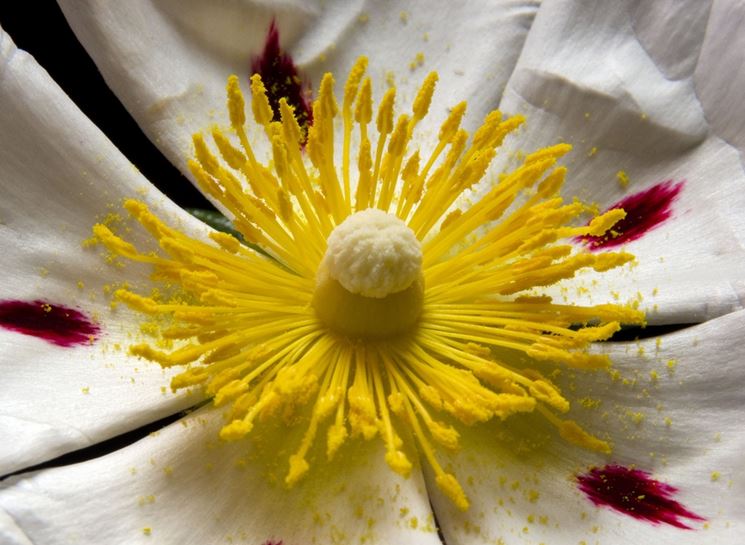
(168, 61)
(188, 488)
(720, 73)
(58, 176)
(10, 533)
(613, 83)
(698, 450)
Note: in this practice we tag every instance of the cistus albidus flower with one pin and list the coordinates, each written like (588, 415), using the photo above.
(473, 385)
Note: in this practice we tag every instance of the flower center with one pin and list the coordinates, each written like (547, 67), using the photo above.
(267, 333)
(369, 283)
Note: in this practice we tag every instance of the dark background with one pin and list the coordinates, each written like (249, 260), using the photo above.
(39, 27)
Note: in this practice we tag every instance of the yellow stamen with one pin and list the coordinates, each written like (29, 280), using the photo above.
(416, 320)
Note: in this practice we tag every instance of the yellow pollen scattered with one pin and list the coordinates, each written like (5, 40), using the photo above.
(147, 531)
(715, 476)
(256, 325)
(417, 62)
(623, 179)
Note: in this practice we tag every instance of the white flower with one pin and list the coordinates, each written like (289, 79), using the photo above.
(645, 95)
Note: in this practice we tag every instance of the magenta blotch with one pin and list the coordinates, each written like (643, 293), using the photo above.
(282, 80)
(645, 211)
(634, 493)
(54, 323)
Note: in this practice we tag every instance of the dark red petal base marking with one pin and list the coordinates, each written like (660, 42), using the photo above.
(56, 324)
(632, 492)
(281, 79)
(644, 211)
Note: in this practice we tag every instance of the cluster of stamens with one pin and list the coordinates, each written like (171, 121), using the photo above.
(367, 303)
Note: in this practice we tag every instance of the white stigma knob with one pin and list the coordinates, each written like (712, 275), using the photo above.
(373, 254)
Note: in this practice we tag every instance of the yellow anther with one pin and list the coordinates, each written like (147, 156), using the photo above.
(397, 143)
(237, 429)
(385, 112)
(220, 379)
(135, 208)
(396, 403)
(190, 377)
(485, 132)
(204, 180)
(230, 392)
(549, 394)
(232, 156)
(149, 353)
(353, 82)
(601, 224)
(452, 489)
(260, 106)
(447, 436)
(136, 302)
(336, 436)
(113, 242)
(364, 183)
(298, 468)
(292, 132)
(452, 123)
(236, 103)
(315, 145)
(571, 432)
(198, 280)
(398, 462)
(203, 154)
(279, 154)
(226, 241)
(550, 153)
(424, 96)
(411, 168)
(363, 109)
(607, 261)
(327, 108)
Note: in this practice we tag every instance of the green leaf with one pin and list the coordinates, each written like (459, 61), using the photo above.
(219, 222)
(216, 220)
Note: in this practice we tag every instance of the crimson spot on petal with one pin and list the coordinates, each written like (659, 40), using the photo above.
(644, 211)
(281, 79)
(55, 324)
(634, 493)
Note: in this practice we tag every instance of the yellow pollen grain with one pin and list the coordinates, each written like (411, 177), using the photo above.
(238, 317)
(417, 62)
(623, 179)
(715, 475)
